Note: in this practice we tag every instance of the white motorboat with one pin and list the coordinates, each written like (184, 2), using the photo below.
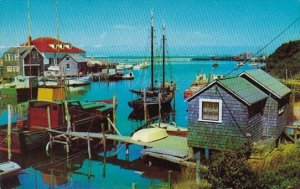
(122, 66)
(78, 81)
(142, 65)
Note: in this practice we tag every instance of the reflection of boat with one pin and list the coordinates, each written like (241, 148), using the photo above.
(142, 65)
(128, 76)
(254, 64)
(122, 66)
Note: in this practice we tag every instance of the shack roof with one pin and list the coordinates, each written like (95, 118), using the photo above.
(239, 87)
(267, 81)
(77, 58)
(22, 51)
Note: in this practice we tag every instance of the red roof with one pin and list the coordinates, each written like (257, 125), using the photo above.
(47, 44)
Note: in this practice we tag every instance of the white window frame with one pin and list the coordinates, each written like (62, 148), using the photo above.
(201, 100)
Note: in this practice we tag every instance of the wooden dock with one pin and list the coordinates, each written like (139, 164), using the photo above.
(171, 148)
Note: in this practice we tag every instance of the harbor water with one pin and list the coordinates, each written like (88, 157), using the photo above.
(115, 170)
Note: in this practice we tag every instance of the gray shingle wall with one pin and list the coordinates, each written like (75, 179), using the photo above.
(72, 71)
(283, 119)
(221, 135)
(270, 117)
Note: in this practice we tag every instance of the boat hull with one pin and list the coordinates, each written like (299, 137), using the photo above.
(23, 140)
(8, 169)
(151, 103)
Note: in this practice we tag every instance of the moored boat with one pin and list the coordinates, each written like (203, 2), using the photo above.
(128, 76)
(159, 96)
(149, 135)
(172, 129)
(85, 116)
(78, 81)
(142, 65)
(122, 66)
(8, 169)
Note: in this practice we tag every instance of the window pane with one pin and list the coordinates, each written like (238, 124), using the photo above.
(210, 111)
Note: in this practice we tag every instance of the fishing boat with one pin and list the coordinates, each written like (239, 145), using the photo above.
(29, 134)
(9, 168)
(201, 81)
(128, 76)
(154, 96)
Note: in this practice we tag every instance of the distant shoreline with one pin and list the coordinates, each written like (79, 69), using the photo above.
(179, 58)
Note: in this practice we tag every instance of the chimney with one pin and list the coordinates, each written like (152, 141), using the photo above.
(29, 40)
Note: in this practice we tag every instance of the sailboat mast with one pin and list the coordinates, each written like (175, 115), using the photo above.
(152, 52)
(164, 58)
(30, 53)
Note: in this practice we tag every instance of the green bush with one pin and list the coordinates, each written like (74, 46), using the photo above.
(230, 169)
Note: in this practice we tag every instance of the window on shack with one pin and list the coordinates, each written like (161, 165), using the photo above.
(210, 110)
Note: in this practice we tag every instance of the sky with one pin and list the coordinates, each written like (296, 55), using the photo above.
(122, 27)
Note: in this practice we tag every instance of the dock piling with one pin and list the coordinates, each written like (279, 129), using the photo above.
(133, 185)
(169, 178)
(89, 147)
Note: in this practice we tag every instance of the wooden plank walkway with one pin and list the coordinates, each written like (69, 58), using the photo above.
(171, 145)
(171, 148)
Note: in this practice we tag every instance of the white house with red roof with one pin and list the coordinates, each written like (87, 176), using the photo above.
(53, 49)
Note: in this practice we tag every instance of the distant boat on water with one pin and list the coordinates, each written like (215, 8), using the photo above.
(122, 66)
(239, 64)
(142, 65)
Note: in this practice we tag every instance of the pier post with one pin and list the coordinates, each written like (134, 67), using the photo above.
(114, 117)
(89, 147)
(103, 137)
(9, 131)
(145, 107)
(49, 125)
(133, 185)
(169, 178)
